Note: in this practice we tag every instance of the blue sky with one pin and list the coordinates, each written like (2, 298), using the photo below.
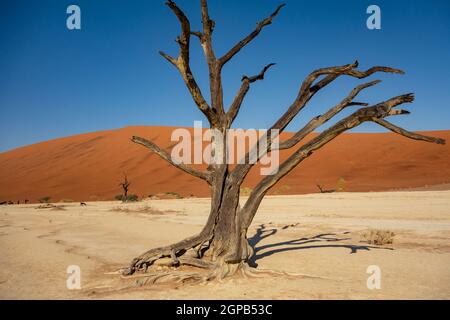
(55, 82)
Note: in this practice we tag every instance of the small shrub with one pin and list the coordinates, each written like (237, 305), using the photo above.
(132, 198)
(378, 237)
(174, 194)
(45, 199)
(58, 208)
(143, 209)
(66, 200)
(129, 198)
(340, 185)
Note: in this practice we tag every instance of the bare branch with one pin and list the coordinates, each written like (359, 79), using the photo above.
(377, 111)
(406, 133)
(215, 76)
(260, 25)
(313, 124)
(245, 86)
(169, 58)
(184, 39)
(164, 155)
(320, 120)
(358, 104)
(308, 90)
(208, 24)
(183, 66)
(333, 74)
(259, 76)
(199, 35)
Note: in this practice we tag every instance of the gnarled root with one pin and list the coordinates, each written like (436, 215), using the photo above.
(190, 275)
(248, 271)
(173, 251)
(181, 258)
(211, 271)
(218, 273)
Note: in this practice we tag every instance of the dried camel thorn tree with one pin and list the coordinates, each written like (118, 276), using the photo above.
(222, 247)
(125, 184)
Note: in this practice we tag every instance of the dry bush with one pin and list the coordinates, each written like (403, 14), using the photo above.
(66, 201)
(128, 198)
(341, 185)
(45, 206)
(378, 237)
(174, 195)
(51, 206)
(165, 196)
(144, 209)
(45, 199)
(58, 208)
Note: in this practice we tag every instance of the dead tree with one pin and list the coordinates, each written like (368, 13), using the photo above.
(222, 245)
(322, 190)
(125, 184)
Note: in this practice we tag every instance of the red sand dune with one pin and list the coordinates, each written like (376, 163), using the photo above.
(90, 166)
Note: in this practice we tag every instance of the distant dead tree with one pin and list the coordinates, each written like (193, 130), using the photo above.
(45, 199)
(125, 184)
(322, 190)
(222, 247)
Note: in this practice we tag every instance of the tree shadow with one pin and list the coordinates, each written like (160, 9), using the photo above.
(320, 241)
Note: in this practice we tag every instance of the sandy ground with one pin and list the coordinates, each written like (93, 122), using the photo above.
(316, 235)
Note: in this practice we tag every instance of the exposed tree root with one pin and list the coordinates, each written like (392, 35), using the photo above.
(248, 271)
(185, 262)
(158, 277)
(185, 277)
(166, 277)
(173, 252)
(208, 272)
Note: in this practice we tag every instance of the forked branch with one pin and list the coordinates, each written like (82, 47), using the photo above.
(406, 133)
(206, 36)
(308, 89)
(182, 63)
(241, 44)
(310, 86)
(320, 120)
(374, 113)
(245, 86)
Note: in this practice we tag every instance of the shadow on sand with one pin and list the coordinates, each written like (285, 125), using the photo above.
(316, 242)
